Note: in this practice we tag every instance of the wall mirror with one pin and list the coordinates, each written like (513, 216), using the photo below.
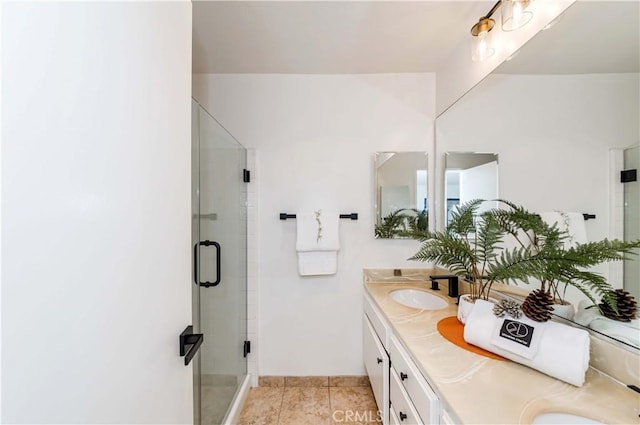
(401, 194)
(468, 176)
(563, 117)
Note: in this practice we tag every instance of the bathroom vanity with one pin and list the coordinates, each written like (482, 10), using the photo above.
(418, 377)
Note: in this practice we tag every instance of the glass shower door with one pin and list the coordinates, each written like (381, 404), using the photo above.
(632, 222)
(220, 281)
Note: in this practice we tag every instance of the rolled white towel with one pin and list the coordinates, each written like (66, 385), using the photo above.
(589, 315)
(563, 351)
(520, 336)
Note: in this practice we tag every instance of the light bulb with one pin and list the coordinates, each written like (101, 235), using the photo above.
(517, 14)
(481, 46)
(514, 14)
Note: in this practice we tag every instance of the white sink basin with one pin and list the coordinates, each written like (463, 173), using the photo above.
(418, 299)
(563, 419)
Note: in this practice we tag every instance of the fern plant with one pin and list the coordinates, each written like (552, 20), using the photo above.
(468, 247)
(417, 224)
(391, 225)
(406, 223)
(541, 254)
(472, 246)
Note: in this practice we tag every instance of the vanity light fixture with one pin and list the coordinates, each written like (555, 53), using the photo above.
(481, 45)
(514, 14)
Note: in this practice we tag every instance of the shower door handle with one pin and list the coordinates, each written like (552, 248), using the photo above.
(216, 245)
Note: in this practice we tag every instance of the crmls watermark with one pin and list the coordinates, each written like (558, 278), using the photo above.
(346, 416)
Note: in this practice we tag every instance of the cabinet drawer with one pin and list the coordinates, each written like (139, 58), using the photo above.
(377, 320)
(393, 417)
(410, 378)
(401, 404)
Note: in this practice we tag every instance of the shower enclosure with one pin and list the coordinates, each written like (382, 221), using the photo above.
(219, 281)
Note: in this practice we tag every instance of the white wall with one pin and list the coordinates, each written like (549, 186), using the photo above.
(315, 136)
(95, 212)
(552, 134)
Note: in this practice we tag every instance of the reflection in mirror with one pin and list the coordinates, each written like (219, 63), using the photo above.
(563, 118)
(401, 194)
(469, 176)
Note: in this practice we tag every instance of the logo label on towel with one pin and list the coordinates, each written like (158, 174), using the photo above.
(517, 332)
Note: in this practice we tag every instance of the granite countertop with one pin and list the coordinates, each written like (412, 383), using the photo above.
(479, 390)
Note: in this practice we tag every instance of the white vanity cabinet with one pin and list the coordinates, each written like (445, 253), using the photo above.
(401, 392)
(376, 359)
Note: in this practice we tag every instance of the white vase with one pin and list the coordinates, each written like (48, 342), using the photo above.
(565, 311)
(465, 305)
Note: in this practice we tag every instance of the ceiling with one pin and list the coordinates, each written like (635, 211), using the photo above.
(591, 37)
(352, 37)
(329, 37)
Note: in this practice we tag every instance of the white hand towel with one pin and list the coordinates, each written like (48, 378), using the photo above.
(520, 336)
(318, 242)
(563, 352)
(570, 222)
(553, 217)
(576, 228)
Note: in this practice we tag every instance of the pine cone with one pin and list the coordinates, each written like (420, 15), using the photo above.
(627, 307)
(538, 306)
(509, 307)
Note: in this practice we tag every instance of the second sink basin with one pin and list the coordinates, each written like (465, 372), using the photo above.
(418, 299)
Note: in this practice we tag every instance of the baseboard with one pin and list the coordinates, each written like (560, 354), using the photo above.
(233, 415)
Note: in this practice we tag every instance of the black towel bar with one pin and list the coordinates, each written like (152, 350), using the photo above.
(584, 215)
(352, 216)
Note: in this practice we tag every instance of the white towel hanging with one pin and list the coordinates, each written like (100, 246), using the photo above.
(570, 222)
(317, 242)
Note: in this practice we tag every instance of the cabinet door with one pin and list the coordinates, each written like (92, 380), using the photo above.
(376, 362)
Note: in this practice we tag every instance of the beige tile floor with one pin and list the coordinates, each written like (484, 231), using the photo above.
(312, 401)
